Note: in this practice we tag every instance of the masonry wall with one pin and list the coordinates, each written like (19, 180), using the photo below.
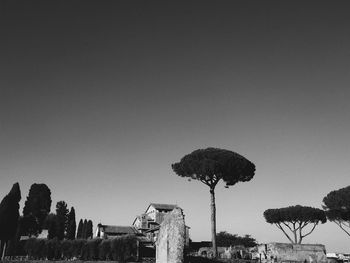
(281, 252)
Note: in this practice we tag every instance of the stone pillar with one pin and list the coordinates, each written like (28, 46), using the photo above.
(171, 238)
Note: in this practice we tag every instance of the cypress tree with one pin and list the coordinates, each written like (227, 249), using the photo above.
(37, 205)
(80, 229)
(61, 219)
(84, 233)
(9, 216)
(71, 225)
(89, 231)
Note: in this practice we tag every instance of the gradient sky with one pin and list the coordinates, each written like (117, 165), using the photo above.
(99, 98)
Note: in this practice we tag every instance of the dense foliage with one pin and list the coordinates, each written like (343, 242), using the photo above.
(51, 224)
(61, 219)
(88, 230)
(80, 229)
(36, 208)
(9, 216)
(225, 239)
(71, 225)
(337, 207)
(211, 165)
(118, 249)
(295, 219)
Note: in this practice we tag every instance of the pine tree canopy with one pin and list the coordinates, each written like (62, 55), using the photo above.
(210, 165)
(295, 219)
(337, 206)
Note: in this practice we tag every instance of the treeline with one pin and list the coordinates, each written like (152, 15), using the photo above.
(225, 239)
(84, 229)
(36, 217)
(61, 224)
(121, 249)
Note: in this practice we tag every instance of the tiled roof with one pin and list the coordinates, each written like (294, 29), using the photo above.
(119, 229)
(163, 206)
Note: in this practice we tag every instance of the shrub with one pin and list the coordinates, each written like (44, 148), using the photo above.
(67, 249)
(92, 248)
(124, 248)
(77, 246)
(53, 249)
(29, 247)
(105, 250)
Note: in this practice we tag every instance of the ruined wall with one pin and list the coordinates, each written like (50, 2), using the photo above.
(171, 238)
(280, 252)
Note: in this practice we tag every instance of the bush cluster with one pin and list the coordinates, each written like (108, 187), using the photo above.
(118, 249)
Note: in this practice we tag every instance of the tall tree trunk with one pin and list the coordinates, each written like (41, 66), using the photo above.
(295, 236)
(3, 251)
(213, 222)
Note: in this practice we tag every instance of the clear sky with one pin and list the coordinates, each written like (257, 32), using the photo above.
(99, 98)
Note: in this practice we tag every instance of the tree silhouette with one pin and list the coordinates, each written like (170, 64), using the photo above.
(337, 207)
(61, 219)
(37, 206)
(84, 231)
(9, 216)
(210, 166)
(80, 229)
(89, 231)
(51, 225)
(225, 239)
(71, 224)
(295, 219)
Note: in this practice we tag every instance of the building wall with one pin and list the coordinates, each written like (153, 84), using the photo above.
(151, 213)
(280, 252)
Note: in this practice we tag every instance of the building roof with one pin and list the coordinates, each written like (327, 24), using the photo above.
(108, 229)
(167, 207)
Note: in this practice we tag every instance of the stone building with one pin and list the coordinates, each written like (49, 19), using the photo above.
(109, 231)
(148, 223)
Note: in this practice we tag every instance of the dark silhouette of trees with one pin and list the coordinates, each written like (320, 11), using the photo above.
(9, 217)
(295, 219)
(71, 225)
(89, 230)
(337, 207)
(37, 207)
(84, 232)
(51, 225)
(224, 239)
(80, 229)
(61, 219)
(28, 225)
(210, 166)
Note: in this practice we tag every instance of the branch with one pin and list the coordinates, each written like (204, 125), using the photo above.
(280, 227)
(302, 224)
(301, 237)
(205, 182)
(342, 226)
(288, 227)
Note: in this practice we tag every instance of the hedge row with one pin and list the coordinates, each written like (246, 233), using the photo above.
(118, 249)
